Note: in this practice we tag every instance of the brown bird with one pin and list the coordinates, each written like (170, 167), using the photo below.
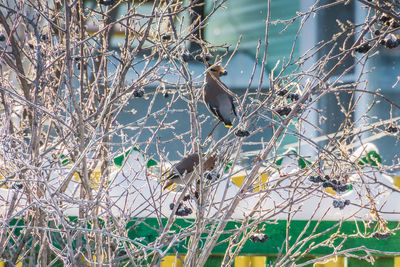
(218, 100)
(179, 172)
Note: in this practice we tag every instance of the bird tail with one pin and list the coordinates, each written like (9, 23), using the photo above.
(227, 122)
(167, 180)
(167, 184)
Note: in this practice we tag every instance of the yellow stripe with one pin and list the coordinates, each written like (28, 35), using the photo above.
(3, 264)
(258, 261)
(396, 181)
(261, 181)
(19, 264)
(5, 187)
(333, 262)
(172, 261)
(238, 180)
(242, 261)
(329, 190)
(396, 262)
(257, 186)
(95, 178)
(253, 261)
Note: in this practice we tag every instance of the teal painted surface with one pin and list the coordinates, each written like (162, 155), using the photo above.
(379, 262)
(146, 231)
(214, 260)
(247, 19)
(277, 234)
(270, 260)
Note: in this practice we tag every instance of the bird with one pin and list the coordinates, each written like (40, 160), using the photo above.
(216, 97)
(180, 171)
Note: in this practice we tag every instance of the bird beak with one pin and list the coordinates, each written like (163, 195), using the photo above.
(223, 73)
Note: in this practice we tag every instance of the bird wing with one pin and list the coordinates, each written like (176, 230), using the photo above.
(224, 88)
(233, 105)
(168, 184)
(224, 107)
(213, 109)
(174, 176)
(209, 96)
(186, 165)
(209, 163)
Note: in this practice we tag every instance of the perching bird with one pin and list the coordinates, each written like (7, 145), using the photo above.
(181, 170)
(217, 99)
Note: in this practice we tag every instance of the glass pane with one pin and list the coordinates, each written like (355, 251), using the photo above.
(247, 19)
(328, 27)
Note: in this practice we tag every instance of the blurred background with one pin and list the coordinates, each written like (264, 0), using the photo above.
(246, 23)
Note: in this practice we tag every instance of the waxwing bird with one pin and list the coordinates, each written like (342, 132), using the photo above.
(182, 169)
(216, 97)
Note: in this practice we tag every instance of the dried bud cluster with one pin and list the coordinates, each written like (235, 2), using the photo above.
(364, 48)
(341, 204)
(258, 238)
(138, 93)
(390, 43)
(392, 129)
(327, 181)
(181, 210)
(242, 133)
(381, 236)
(283, 111)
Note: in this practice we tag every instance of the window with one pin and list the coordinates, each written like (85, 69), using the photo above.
(385, 75)
(337, 107)
(248, 20)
